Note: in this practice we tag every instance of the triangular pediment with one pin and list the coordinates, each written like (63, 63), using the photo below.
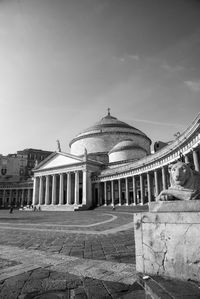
(58, 159)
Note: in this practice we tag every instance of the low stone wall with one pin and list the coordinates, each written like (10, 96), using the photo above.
(168, 242)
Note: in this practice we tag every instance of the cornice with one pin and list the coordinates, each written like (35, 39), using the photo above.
(57, 168)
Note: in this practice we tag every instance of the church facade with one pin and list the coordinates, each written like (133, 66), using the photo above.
(110, 164)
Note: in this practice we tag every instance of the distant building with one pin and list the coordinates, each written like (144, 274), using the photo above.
(33, 157)
(15, 176)
(12, 168)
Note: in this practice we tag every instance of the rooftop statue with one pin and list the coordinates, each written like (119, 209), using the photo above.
(58, 146)
(184, 183)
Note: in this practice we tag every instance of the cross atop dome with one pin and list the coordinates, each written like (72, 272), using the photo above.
(108, 111)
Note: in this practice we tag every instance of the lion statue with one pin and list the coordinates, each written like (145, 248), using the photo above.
(185, 183)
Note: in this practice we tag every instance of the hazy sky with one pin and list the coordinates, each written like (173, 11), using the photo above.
(64, 62)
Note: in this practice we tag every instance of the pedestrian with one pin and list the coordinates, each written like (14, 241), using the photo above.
(11, 209)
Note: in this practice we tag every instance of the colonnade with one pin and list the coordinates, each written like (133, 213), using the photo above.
(15, 196)
(66, 188)
(131, 190)
(137, 189)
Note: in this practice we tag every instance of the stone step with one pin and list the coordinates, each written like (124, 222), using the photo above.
(124, 208)
(66, 208)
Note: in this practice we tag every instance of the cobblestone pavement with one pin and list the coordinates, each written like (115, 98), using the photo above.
(67, 255)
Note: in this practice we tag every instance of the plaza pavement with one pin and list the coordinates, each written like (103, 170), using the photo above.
(88, 254)
(81, 255)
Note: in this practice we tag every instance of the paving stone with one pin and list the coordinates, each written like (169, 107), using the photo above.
(78, 293)
(47, 295)
(11, 288)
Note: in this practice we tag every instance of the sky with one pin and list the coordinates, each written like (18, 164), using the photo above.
(64, 62)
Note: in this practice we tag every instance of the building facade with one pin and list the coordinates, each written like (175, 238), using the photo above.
(16, 184)
(110, 164)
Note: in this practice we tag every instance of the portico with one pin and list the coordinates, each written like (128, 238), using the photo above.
(62, 182)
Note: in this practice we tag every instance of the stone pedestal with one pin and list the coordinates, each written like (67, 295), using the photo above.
(175, 206)
(167, 240)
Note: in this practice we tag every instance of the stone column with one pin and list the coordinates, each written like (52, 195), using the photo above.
(163, 178)
(141, 189)
(195, 159)
(105, 193)
(69, 188)
(35, 190)
(127, 191)
(149, 186)
(10, 197)
(76, 187)
(100, 194)
(186, 158)
(54, 190)
(120, 192)
(29, 196)
(47, 191)
(4, 197)
(61, 191)
(134, 191)
(112, 194)
(22, 203)
(17, 194)
(41, 191)
(156, 182)
(85, 182)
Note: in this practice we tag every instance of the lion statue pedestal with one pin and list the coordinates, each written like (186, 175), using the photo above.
(167, 237)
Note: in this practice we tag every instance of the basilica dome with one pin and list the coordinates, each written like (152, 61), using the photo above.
(100, 138)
